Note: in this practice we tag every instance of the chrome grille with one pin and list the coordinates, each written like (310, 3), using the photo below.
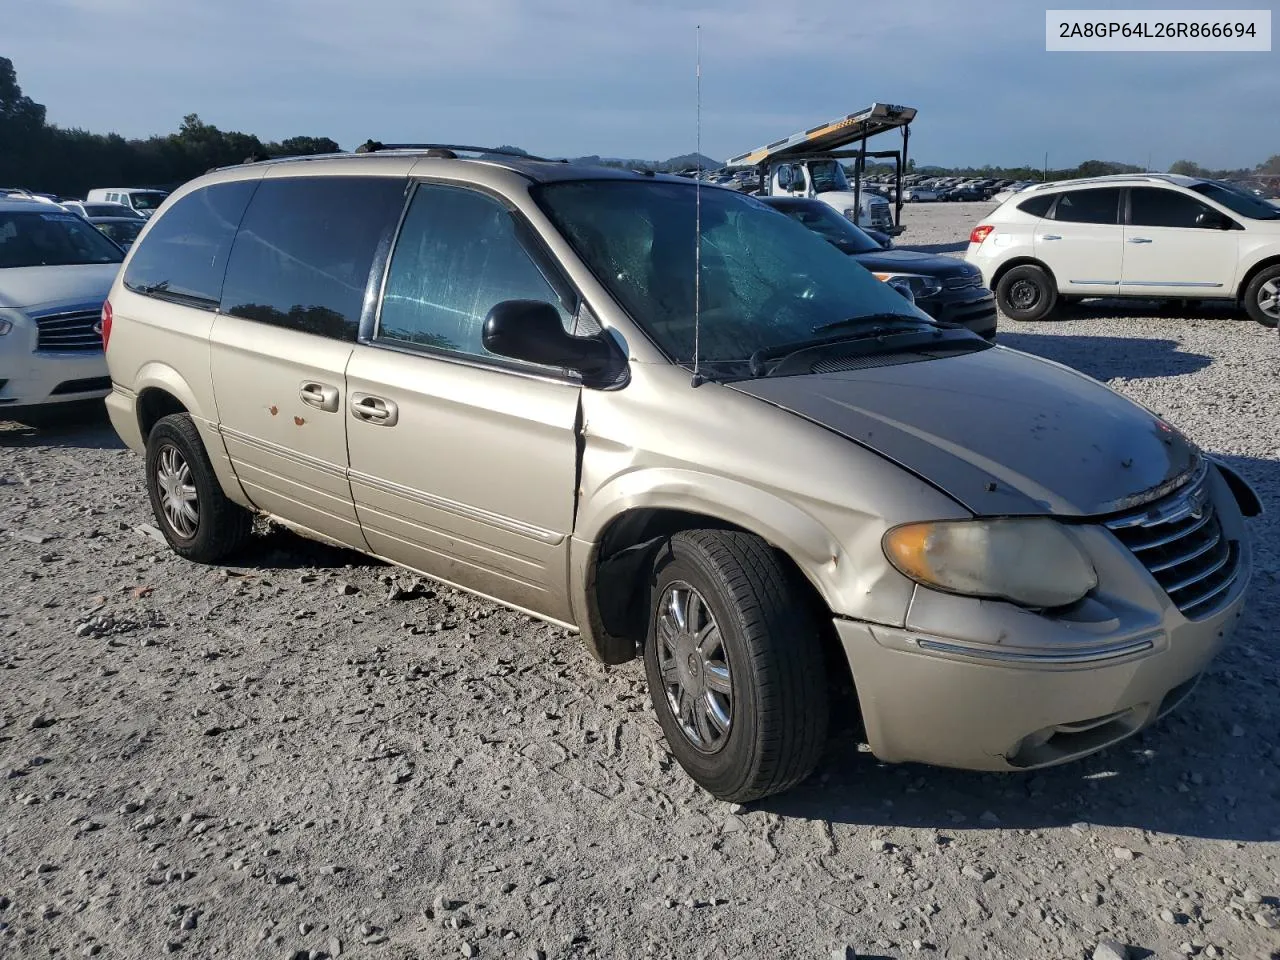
(1179, 539)
(69, 331)
(963, 283)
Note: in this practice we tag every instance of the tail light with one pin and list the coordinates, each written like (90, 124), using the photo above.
(104, 325)
(980, 233)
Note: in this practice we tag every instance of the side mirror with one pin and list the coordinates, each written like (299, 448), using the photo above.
(531, 330)
(1213, 220)
(903, 287)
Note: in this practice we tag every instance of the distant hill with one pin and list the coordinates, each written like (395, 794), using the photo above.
(686, 161)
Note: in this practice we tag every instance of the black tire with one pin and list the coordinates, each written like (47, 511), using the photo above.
(773, 656)
(220, 526)
(1264, 288)
(1027, 293)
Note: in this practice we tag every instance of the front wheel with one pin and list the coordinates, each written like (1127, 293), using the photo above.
(1262, 297)
(1027, 293)
(735, 665)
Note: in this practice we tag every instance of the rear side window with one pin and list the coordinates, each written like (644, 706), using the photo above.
(1037, 206)
(1154, 207)
(304, 251)
(1088, 206)
(459, 253)
(184, 256)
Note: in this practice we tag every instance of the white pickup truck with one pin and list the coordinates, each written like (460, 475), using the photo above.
(807, 164)
(825, 180)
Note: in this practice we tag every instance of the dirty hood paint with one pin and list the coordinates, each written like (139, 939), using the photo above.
(1003, 432)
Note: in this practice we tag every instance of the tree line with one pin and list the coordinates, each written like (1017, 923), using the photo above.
(46, 158)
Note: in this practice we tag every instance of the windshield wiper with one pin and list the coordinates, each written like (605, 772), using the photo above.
(879, 323)
(917, 335)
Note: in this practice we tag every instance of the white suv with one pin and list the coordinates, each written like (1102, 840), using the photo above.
(1146, 236)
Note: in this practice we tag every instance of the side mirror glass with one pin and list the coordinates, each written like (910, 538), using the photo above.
(1213, 220)
(531, 330)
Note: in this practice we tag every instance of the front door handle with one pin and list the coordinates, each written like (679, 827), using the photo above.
(1138, 240)
(1051, 236)
(375, 410)
(319, 395)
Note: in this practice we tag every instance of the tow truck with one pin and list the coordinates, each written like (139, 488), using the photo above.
(807, 164)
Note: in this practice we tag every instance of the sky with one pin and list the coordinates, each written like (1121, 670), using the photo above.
(617, 77)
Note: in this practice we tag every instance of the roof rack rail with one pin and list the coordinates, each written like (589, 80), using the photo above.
(446, 149)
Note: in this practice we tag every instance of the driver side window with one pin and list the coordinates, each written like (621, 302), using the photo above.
(459, 253)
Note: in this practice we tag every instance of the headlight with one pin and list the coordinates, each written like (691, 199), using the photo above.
(1034, 562)
(851, 213)
(5, 327)
(921, 286)
(7, 324)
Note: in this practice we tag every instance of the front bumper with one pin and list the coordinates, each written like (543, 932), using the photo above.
(974, 308)
(986, 685)
(30, 379)
(942, 707)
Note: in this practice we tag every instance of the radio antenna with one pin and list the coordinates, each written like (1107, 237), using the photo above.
(697, 215)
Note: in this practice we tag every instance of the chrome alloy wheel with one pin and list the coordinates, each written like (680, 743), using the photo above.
(694, 666)
(1269, 298)
(177, 492)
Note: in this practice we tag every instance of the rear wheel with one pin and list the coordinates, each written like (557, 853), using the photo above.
(1027, 293)
(1262, 297)
(196, 518)
(734, 665)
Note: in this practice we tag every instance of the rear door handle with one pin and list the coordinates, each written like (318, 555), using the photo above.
(1051, 236)
(319, 395)
(1138, 240)
(375, 410)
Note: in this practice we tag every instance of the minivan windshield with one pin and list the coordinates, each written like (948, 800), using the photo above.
(147, 199)
(766, 281)
(1255, 208)
(52, 240)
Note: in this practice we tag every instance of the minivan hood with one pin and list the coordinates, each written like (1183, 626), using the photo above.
(41, 288)
(1003, 432)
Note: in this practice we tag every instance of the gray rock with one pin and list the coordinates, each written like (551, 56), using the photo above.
(844, 953)
(981, 874)
(1110, 950)
(1123, 853)
(1266, 918)
(469, 949)
(443, 904)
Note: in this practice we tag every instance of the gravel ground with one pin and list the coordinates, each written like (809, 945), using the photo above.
(310, 754)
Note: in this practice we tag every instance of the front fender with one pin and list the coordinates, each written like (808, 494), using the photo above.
(868, 590)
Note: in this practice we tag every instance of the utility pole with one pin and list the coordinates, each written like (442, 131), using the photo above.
(1044, 177)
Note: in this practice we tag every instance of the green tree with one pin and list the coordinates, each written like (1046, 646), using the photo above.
(1188, 168)
(1271, 166)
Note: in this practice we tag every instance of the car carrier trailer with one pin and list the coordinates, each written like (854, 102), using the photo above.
(808, 164)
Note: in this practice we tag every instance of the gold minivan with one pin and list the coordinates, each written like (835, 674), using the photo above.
(674, 420)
